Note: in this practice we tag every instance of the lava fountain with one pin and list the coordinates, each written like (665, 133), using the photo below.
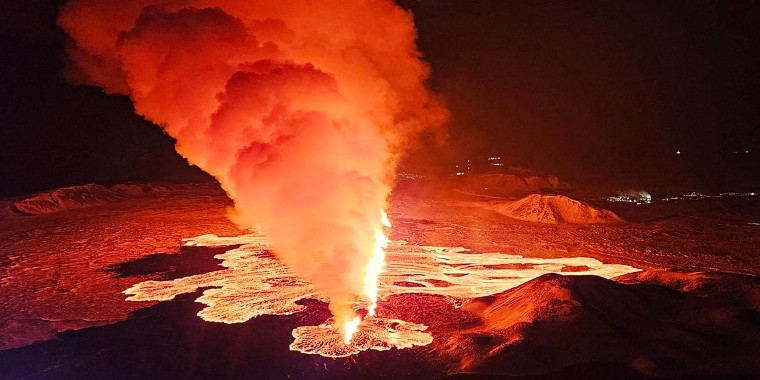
(299, 109)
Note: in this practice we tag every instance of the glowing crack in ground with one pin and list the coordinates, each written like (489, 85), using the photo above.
(255, 283)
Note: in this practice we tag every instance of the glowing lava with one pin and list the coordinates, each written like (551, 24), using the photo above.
(371, 279)
(255, 283)
(350, 328)
(380, 334)
(375, 266)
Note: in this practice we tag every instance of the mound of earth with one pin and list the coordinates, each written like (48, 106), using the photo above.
(140, 188)
(66, 198)
(737, 289)
(555, 322)
(513, 184)
(554, 209)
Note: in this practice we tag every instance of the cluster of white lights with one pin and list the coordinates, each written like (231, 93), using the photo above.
(629, 199)
(694, 195)
(697, 196)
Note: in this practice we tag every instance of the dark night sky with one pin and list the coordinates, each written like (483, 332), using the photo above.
(601, 90)
(55, 134)
(593, 91)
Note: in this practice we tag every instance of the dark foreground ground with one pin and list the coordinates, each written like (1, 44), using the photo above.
(168, 341)
(694, 313)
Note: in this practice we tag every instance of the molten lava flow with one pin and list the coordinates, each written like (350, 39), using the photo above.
(375, 266)
(350, 328)
(371, 279)
(300, 109)
(254, 283)
(378, 334)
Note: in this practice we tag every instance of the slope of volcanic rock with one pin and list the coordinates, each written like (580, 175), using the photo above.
(736, 289)
(57, 268)
(554, 209)
(66, 198)
(76, 197)
(554, 322)
(142, 188)
(511, 184)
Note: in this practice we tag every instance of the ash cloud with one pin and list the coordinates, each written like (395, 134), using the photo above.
(300, 109)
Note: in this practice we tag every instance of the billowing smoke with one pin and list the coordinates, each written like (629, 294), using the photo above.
(300, 109)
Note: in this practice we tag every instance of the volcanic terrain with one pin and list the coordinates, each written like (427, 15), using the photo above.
(687, 307)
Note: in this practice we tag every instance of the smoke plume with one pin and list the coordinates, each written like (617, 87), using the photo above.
(301, 110)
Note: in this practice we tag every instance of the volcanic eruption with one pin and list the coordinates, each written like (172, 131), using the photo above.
(299, 109)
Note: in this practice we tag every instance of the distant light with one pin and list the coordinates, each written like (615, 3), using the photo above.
(678, 152)
(746, 152)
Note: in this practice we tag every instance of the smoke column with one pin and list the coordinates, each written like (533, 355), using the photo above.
(300, 109)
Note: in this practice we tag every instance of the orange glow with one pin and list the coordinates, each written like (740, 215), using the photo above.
(350, 328)
(255, 283)
(301, 111)
(380, 334)
(376, 263)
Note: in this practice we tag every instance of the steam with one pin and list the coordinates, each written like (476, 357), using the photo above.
(300, 109)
